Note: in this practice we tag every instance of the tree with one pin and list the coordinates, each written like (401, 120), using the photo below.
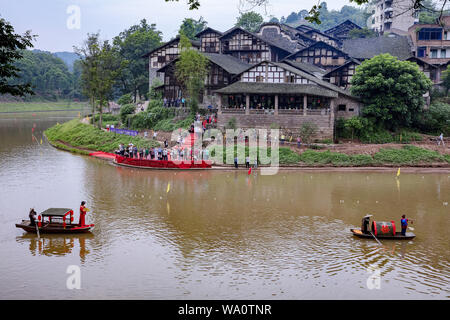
(132, 44)
(391, 90)
(314, 15)
(361, 33)
(249, 21)
(190, 27)
(307, 131)
(446, 79)
(191, 70)
(354, 124)
(11, 46)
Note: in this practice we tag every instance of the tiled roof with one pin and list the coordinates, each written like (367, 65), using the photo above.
(366, 48)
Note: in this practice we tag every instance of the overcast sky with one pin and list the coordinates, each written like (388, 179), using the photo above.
(49, 18)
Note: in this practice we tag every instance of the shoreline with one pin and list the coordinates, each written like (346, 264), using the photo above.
(388, 168)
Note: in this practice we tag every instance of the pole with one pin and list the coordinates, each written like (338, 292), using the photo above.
(37, 230)
(375, 238)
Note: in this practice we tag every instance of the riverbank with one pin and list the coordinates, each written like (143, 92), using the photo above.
(81, 138)
(19, 107)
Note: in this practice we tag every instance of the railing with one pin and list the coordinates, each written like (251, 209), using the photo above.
(262, 111)
(232, 110)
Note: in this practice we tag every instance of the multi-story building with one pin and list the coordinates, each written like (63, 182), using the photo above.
(392, 15)
(431, 44)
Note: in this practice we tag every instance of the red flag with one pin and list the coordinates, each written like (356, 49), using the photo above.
(250, 171)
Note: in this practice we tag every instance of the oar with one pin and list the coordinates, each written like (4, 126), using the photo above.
(37, 230)
(375, 238)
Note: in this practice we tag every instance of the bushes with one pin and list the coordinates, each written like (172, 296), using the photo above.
(307, 130)
(125, 99)
(408, 155)
(86, 136)
(126, 110)
(311, 157)
(436, 119)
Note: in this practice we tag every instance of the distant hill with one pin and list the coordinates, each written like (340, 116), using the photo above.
(67, 57)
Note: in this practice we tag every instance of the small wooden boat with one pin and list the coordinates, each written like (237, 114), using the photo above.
(59, 220)
(380, 230)
(397, 236)
(161, 164)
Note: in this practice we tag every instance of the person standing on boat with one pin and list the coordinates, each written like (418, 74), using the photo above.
(83, 211)
(404, 223)
(32, 217)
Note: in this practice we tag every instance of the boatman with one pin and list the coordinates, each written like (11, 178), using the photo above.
(32, 216)
(365, 224)
(404, 223)
(83, 211)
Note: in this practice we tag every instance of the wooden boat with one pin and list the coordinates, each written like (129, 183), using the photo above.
(59, 220)
(398, 235)
(380, 230)
(161, 164)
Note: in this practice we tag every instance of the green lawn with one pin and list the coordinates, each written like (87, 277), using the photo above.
(41, 106)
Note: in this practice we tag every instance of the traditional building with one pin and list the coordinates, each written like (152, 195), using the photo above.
(250, 47)
(163, 55)
(367, 48)
(322, 55)
(276, 93)
(342, 76)
(342, 30)
(209, 40)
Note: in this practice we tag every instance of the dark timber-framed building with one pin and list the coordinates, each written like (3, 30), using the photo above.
(280, 75)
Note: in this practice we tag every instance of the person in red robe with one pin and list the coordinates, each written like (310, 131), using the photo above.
(83, 211)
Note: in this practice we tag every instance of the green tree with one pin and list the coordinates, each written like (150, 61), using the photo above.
(249, 21)
(361, 33)
(354, 124)
(446, 79)
(190, 27)
(132, 44)
(11, 46)
(391, 90)
(191, 70)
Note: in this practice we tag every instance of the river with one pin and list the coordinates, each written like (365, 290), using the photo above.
(215, 234)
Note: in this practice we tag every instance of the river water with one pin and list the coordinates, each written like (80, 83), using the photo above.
(215, 234)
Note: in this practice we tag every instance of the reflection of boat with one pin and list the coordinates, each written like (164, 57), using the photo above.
(381, 230)
(161, 164)
(59, 220)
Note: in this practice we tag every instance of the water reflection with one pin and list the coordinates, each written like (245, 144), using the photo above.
(57, 245)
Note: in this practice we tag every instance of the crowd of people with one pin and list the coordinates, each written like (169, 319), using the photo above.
(180, 102)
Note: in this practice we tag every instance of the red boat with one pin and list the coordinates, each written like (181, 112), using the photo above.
(59, 220)
(161, 164)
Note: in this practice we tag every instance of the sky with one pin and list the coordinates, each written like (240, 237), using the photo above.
(62, 24)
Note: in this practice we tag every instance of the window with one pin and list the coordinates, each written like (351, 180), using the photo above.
(259, 79)
(421, 52)
(430, 34)
(433, 53)
(289, 79)
(342, 107)
(443, 53)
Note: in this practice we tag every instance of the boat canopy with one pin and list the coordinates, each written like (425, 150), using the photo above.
(55, 212)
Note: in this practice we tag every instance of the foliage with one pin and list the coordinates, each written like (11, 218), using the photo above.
(408, 155)
(231, 124)
(125, 110)
(190, 27)
(191, 70)
(446, 79)
(311, 157)
(131, 45)
(354, 124)
(391, 90)
(361, 33)
(125, 99)
(11, 46)
(436, 119)
(307, 130)
(48, 75)
(249, 21)
(84, 136)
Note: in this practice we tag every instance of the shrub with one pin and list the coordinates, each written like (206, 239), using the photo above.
(231, 124)
(307, 131)
(125, 99)
(125, 111)
(408, 155)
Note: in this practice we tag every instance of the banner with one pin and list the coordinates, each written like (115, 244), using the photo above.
(124, 131)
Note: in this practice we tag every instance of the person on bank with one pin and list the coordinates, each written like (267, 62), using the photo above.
(83, 211)
(404, 223)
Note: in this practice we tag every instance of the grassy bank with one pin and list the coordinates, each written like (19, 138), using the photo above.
(41, 106)
(81, 138)
(407, 155)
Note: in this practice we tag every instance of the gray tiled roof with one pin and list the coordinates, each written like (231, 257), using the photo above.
(277, 88)
(227, 62)
(366, 48)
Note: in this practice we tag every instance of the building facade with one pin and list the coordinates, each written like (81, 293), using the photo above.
(390, 15)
